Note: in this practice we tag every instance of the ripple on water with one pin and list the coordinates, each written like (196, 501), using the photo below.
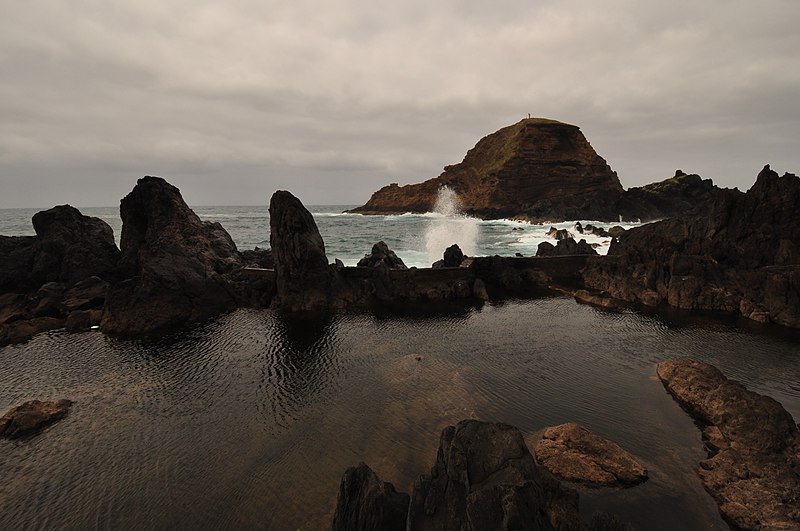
(249, 420)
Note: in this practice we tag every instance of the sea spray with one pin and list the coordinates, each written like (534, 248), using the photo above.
(450, 226)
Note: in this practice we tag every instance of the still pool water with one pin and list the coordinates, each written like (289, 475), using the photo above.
(249, 420)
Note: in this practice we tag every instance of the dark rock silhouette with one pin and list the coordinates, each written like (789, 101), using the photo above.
(565, 247)
(753, 465)
(31, 417)
(741, 254)
(173, 263)
(382, 256)
(484, 477)
(366, 503)
(536, 168)
(680, 195)
(453, 256)
(304, 280)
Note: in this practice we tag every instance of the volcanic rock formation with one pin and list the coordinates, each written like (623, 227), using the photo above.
(172, 261)
(742, 254)
(32, 416)
(538, 168)
(753, 465)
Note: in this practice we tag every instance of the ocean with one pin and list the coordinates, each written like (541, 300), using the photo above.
(248, 421)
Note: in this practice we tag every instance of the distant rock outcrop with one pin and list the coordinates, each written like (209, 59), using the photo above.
(565, 247)
(537, 168)
(740, 254)
(753, 465)
(172, 261)
(680, 195)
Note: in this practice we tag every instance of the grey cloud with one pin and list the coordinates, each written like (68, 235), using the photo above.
(231, 101)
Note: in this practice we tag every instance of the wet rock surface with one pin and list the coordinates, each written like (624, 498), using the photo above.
(573, 453)
(753, 465)
(173, 262)
(31, 417)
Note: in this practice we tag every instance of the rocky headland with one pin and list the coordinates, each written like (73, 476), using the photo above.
(543, 170)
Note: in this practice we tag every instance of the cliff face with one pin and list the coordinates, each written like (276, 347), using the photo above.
(537, 168)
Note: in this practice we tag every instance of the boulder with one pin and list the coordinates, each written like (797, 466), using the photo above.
(68, 247)
(566, 247)
(560, 234)
(304, 280)
(31, 417)
(453, 256)
(753, 468)
(86, 294)
(366, 503)
(573, 453)
(173, 262)
(382, 256)
(22, 330)
(485, 478)
(616, 231)
(260, 258)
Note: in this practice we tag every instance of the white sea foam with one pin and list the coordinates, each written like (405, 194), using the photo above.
(448, 226)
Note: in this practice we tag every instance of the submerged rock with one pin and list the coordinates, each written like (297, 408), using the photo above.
(382, 256)
(753, 468)
(366, 503)
(573, 453)
(31, 417)
(304, 280)
(173, 263)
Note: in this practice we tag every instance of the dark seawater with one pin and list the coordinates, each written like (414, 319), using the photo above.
(249, 420)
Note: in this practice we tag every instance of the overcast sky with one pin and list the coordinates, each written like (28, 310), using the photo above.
(332, 100)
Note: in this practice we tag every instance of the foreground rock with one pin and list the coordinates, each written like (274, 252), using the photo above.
(365, 502)
(741, 254)
(31, 417)
(484, 478)
(753, 468)
(536, 168)
(573, 453)
(174, 264)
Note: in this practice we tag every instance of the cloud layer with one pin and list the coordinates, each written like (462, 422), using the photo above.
(232, 100)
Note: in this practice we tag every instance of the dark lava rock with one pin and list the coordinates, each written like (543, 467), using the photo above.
(173, 261)
(81, 320)
(753, 468)
(453, 256)
(741, 254)
(573, 453)
(485, 478)
(596, 231)
(566, 247)
(615, 231)
(680, 195)
(86, 294)
(559, 234)
(22, 330)
(261, 258)
(382, 256)
(32, 416)
(68, 247)
(304, 280)
(536, 169)
(368, 504)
